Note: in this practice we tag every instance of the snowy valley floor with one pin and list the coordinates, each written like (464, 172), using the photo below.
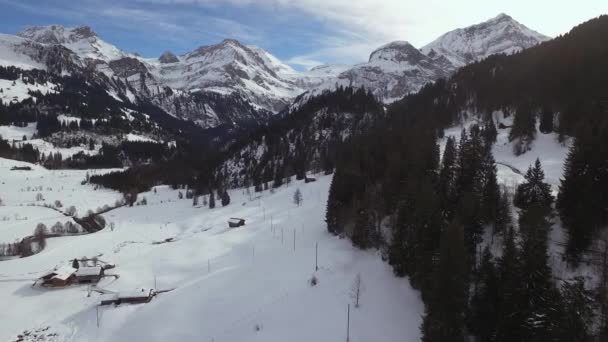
(240, 284)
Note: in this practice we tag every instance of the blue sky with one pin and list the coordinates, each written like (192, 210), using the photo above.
(302, 32)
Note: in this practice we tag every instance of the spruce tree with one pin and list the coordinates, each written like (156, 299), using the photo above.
(541, 297)
(582, 200)
(225, 198)
(361, 236)
(483, 313)
(546, 121)
(444, 316)
(534, 190)
(447, 176)
(211, 199)
(511, 299)
(523, 130)
(333, 207)
(579, 307)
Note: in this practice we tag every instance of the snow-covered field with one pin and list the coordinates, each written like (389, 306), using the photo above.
(17, 90)
(11, 133)
(241, 284)
(21, 187)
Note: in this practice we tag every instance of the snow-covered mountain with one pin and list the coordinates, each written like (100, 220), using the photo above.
(394, 70)
(234, 84)
(398, 68)
(501, 34)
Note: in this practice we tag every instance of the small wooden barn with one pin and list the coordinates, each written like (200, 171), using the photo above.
(88, 274)
(133, 297)
(236, 222)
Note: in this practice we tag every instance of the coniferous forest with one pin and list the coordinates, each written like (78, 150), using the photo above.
(432, 215)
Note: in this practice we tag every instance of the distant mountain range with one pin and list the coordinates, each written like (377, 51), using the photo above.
(233, 84)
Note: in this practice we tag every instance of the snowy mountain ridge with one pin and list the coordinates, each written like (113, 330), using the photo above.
(398, 68)
(236, 72)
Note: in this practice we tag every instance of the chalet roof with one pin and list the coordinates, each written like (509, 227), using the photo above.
(64, 272)
(88, 271)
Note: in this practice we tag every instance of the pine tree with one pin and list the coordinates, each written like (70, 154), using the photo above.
(361, 236)
(225, 198)
(211, 199)
(503, 215)
(578, 311)
(487, 190)
(333, 207)
(541, 297)
(447, 176)
(582, 202)
(484, 316)
(444, 317)
(546, 121)
(510, 317)
(534, 190)
(297, 197)
(523, 130)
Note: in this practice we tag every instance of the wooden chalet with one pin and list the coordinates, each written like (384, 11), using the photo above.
(236, 222)
(60, 277)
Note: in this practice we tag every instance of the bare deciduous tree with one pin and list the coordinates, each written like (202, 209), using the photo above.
(355, 291)
(297, 197)
(71, 211)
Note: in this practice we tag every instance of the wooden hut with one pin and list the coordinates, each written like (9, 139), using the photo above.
(236, 222)
(133, 297)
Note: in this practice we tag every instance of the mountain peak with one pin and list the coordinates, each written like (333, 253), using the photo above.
(396, 51)
(168, 57)
(501, 34)
(502, 16)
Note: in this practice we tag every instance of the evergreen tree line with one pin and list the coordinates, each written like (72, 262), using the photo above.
(305, 139)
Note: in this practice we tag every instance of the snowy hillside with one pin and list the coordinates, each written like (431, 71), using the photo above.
(501, 34)
(238, 284)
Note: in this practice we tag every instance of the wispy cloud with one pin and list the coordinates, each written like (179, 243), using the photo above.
(306, 32)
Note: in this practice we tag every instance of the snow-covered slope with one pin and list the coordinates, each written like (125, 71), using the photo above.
(14, 52)
(501, 34)
(243, 284)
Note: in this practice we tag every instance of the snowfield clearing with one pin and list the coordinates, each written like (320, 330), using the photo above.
(22, 187)
(18, 222)
(239, 284)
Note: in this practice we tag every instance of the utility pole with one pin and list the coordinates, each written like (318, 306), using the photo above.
(294, 239)
(316, 256)
(348, 323)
